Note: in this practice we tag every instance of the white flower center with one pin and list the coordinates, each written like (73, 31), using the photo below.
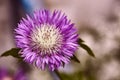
(47, 38)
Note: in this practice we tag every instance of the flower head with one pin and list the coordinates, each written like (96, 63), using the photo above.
(3, 73)
(20, 75)
(46, 39)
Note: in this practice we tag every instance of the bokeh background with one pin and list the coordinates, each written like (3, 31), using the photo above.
(98, 23)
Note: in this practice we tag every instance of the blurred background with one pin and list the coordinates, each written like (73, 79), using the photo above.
(98, 23)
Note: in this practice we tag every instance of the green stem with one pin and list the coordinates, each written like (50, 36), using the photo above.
(58, 74)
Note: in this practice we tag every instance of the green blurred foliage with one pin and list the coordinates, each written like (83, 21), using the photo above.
(77, 76)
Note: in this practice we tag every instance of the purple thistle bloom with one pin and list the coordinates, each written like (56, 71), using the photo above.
(3, 73)
(46, 39)
(20, 75)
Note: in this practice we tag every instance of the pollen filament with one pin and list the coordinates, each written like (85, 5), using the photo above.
(47, 38)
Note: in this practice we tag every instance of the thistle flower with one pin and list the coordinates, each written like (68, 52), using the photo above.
(3, 73)
(20, 75)
(46, 39)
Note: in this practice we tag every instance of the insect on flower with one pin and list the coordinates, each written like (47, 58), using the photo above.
(46, 39)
